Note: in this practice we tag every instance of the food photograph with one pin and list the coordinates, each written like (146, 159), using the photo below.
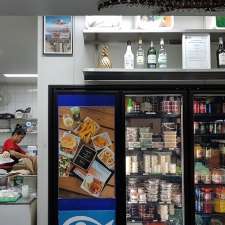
(86, 151)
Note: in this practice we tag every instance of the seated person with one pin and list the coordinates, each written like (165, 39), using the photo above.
(22, 160)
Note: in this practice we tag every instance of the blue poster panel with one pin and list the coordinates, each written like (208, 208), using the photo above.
(86, 166)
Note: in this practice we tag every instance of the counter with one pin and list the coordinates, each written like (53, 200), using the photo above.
(21, 212)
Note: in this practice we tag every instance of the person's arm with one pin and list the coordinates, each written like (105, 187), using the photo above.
(17, 155)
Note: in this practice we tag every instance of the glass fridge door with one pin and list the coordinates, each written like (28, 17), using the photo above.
(209, 158)
(154, 159)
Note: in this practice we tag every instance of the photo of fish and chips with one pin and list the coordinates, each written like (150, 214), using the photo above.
(87, 151)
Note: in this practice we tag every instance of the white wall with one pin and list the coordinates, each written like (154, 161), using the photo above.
(55, 70)
(18, 48)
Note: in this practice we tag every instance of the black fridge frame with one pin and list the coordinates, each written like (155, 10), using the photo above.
(205, 90)
(54, 91)
(121, 90)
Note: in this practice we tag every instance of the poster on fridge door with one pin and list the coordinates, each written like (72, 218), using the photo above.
(86, 211)
(86, 131)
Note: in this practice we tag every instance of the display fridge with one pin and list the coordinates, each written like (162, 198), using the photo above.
(118, 155)
(209, 157)
(154, 146)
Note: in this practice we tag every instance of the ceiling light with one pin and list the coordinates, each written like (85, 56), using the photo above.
(162, 6)
(20, 75)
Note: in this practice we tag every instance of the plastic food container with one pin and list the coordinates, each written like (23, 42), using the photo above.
(146, 135)
(131, 134)
(146, 142)
(133, 145)
(170, 144)
(144, 129)
(218, 176)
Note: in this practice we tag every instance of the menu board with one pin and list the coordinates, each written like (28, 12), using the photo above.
(86, 140)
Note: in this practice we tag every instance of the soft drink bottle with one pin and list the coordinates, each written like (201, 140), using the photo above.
(196, 106)
(202, 106)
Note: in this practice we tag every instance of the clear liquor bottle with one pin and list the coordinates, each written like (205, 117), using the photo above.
(129, 57)
(140, 55)
(162, 58)
(220, 53)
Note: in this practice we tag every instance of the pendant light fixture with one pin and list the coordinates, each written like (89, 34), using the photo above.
(163, 6)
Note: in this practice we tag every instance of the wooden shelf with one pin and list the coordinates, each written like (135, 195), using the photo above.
(173, 36)
(215, 76)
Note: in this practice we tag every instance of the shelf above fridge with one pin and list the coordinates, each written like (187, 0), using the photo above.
(141, 115)
(209, 117)
(173, 36)
(169, 75)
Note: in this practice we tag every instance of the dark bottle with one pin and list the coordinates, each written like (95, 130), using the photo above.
(151, 57)
(220, 54)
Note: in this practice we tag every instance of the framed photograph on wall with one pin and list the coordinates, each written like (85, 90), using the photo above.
(58, 35)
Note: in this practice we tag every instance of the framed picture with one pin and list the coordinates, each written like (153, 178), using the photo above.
(154, 23)
(58, 35)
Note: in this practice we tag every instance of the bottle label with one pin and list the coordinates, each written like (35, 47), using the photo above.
(128, 63)
(162, 59)
(222, 58)
(140, 59)
(151, 59)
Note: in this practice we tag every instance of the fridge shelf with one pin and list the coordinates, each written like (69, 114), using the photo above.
(209, 117)
(154, 203)
(211, 136)
(141, 115)
(210, 214)
(152, 150)
(209, 185)
(172, 177)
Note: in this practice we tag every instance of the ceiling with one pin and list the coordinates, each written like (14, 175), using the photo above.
(71, 7)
